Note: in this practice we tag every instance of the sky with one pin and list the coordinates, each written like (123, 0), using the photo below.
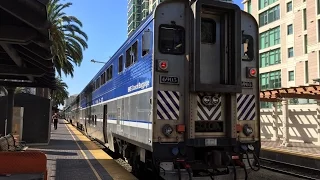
(105, 23)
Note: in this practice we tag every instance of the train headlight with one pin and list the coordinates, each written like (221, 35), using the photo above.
(247, 130)
(167, 130)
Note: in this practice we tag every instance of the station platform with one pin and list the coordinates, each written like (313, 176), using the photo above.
(301, 154)
(71, 155)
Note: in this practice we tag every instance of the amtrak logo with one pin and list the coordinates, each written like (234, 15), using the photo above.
(210, 101)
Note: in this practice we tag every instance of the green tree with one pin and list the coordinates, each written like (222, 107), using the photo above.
(60, 94)
(69, 40)
(18, 90)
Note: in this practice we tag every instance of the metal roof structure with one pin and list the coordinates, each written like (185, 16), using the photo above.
(311, 91)
(25, 45)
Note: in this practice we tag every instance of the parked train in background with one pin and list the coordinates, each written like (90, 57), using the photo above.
(181, 95)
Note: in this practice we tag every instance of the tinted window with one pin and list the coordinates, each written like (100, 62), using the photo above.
(171, 39)
(208, 31)
(120, 64)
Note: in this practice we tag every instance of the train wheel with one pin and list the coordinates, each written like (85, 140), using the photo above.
(137, 166)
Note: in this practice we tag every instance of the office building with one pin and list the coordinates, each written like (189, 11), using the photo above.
(288, 42)
(138, 10)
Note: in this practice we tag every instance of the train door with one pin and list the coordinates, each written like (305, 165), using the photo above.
(105, 116)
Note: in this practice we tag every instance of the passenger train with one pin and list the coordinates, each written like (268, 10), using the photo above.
(181, 95)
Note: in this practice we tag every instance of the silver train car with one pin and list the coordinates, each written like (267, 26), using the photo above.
(181, 95)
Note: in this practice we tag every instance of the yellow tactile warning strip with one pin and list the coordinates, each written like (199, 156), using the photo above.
(85, 156)
(113, 168)
(295, 153)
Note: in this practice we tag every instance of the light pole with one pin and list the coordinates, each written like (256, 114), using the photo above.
(94, 61)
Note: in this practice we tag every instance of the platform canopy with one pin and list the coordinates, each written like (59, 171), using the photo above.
(304, 92)
(25, 53)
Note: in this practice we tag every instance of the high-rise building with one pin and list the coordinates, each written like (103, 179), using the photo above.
(289, 42)
(138, 10)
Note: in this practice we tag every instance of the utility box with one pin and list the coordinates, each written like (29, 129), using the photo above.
(17, 122)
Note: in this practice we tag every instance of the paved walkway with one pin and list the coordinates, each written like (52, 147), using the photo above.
(71, 155)
(298, 149)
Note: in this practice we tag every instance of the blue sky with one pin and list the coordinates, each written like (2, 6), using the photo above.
(105, 22)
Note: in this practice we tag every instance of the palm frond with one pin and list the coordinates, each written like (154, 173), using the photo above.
(69, 40)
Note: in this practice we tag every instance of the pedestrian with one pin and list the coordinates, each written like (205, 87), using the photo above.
(55, 120)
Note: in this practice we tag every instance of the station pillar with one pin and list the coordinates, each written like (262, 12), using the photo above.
(285, 123)
(318, 122)
(10, 105)
(275, 136)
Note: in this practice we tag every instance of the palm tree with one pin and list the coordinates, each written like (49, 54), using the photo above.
(68, 39)
(60, 94)
(18, 90)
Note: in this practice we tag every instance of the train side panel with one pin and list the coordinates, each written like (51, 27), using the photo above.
(122, 108)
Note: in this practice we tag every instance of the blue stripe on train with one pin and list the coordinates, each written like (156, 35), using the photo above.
(115, 89)
(129, 120)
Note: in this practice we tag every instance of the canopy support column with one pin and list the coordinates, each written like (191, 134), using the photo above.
(285, 123)
(275, 136)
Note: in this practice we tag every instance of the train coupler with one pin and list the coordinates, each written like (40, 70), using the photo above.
(173, 170)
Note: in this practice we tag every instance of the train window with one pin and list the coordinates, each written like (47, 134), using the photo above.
(146, 42)
(247, 46)
(98, 83)
(208, 30)
(131, 54)
(106, 75)
(109, 73)
(103, 78)
(92, 119)
(171, 39)
(120, 64)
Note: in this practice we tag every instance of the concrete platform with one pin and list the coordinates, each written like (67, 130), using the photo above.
(71, 155)
(302, 154)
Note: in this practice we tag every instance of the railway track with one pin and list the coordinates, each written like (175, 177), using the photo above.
(290, 169)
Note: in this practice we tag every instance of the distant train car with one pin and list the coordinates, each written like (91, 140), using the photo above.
(181, 95)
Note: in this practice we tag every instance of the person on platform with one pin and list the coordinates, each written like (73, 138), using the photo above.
(55, 120)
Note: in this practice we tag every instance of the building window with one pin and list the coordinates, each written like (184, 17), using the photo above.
(270, 38)
(289, 6)
(291, 75)
(318, 6)
(265, 3)
(290, 52)
(305, 43)
(269, 16)
(290, 29)
(306, 71)
(318, 30)
(270, 58)
(319, 61)
(270, 80)
(249, 6)
(304, 19)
